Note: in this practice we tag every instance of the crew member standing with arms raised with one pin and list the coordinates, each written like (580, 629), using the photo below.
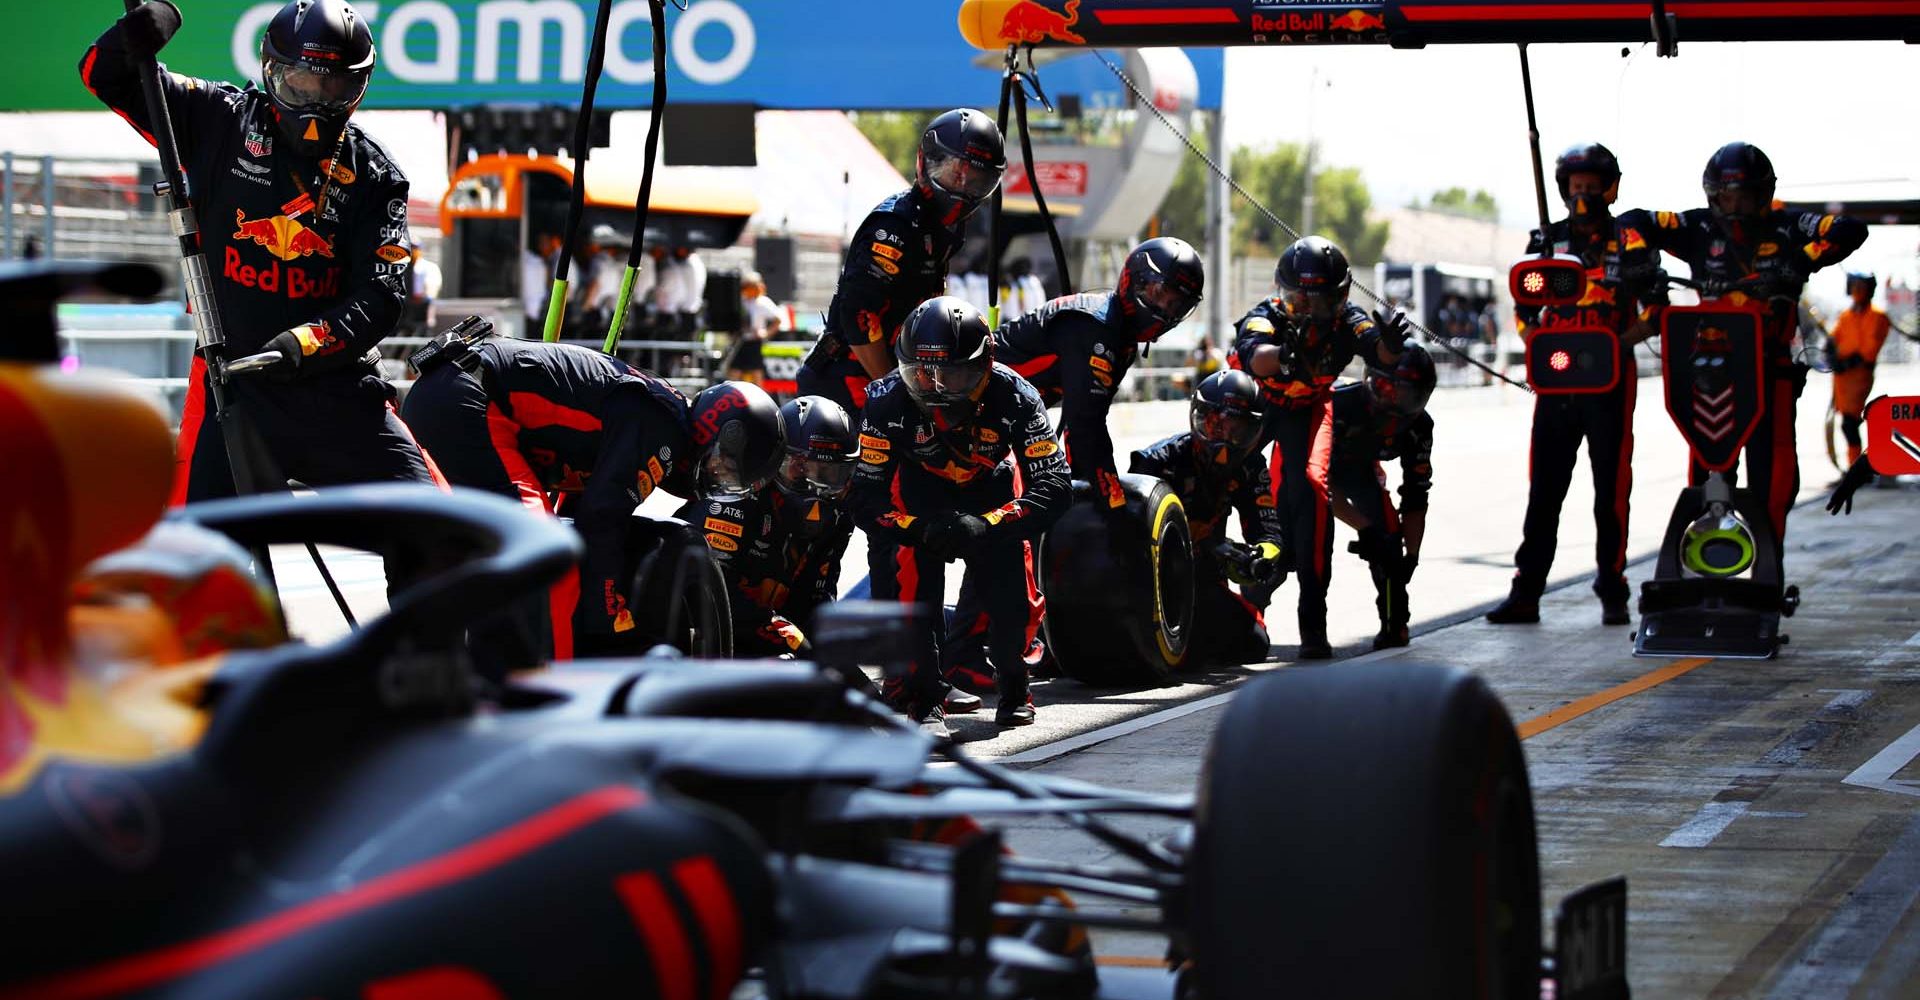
(898, 258)
(305, 222)
(1743, 251)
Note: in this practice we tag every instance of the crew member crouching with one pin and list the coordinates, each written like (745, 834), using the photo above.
(566, 429)
(779, 547)
(1213, 468)
(957, 461)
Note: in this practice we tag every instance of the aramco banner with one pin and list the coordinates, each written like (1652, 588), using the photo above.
(847, 54)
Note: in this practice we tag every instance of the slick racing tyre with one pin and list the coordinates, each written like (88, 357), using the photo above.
(1119, 586)
(679, 594)
(1365, 831)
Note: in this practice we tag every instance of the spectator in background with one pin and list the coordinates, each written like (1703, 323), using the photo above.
(967, 282)
(679, 296)
(1206, 360)
(423, 287)
(761, 318)
(1023, 292)
(599, 282)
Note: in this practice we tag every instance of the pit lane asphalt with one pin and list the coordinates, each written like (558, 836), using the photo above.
(1479, 495)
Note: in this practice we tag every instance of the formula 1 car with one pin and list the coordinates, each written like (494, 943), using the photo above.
(362, 819)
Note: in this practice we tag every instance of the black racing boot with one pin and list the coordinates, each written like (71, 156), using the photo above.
(960, 702)
(1313, 641)
(1522, 606)
(1613, 611)
(1391, 636)
(1011, 714)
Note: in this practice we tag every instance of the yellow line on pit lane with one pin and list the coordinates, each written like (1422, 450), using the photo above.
(1600, 699)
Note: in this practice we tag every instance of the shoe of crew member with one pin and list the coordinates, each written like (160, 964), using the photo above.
(1392, 637)
(1522, 607)
(1008, 716)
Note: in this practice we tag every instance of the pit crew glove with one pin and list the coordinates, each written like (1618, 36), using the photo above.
(1859, 474)
(1394, 328)
(292, 353)
(148, 27)
(947, 539)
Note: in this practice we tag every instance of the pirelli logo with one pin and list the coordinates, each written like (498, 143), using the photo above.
(723, 527)
(876, 442)
(654, 469)
(883, 250)
(1100, 364)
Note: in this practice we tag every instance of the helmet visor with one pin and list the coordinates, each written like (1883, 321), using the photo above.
(1734, 200)
(961, 177)
(1236, 429)
(720, 474)
(1317, 306)
(940, 382)
(806, 476)
(1393, 394)
(1159, 299)
(303, 88)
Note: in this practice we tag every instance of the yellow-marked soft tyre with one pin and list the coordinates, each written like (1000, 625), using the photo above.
(1119, 586)
(1365, 831)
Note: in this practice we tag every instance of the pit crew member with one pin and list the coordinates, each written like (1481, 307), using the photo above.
(1295, 344)
(566, 429)
(1743, 251)
(957, 461)
(1214, 468)
(779, 547)
(898, 257)
(304, 227)
(1382, 417)
(1619, 297)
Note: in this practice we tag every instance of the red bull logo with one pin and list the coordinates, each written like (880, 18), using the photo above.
(1358, 20)
(1597, 294)
(1032, 23)
(283, 237)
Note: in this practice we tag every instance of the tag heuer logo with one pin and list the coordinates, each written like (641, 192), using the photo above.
(259, 145)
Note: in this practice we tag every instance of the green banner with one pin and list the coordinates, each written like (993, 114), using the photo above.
(448, 53)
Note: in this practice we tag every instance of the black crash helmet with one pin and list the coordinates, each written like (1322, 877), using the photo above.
(1159, 287)
(1225, 414)
(737, 439)
(946, 354)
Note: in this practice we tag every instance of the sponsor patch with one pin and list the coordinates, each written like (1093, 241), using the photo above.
(723, 527)
(875, 441)
(655, 470)
(1767, 249)
(883, 250)
(1264, 500)
(1100, 364)
(872, 457)
(1667, 220)
(397, 209)
(259, 144)
(1633, 239)
(715, 540)
(1041, 449)
(393, 253)
(1816, 249)
(895, 519)
(337, 171)
(989, 435)
(886, 265)
(1258, 326)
